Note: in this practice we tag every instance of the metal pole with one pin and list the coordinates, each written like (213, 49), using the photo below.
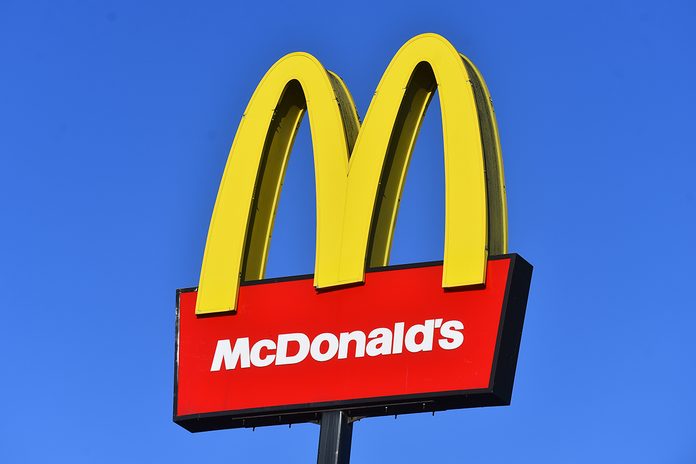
(335, 437)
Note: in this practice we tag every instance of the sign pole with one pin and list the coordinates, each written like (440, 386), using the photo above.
(335, 436)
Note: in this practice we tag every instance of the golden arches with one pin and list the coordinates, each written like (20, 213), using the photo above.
(359, 171)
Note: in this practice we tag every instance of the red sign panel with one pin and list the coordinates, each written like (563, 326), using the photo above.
(396, 344)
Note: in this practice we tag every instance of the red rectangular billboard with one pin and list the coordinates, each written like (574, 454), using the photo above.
(399, 343)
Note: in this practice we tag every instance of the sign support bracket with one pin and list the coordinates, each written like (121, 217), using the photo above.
(335, 437)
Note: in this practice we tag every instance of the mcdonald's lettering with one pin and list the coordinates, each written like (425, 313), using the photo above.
(358, 335)
(325, 346)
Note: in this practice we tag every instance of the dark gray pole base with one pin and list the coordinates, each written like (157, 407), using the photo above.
(335, 437)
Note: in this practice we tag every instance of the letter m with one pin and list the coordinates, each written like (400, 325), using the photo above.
(224, 354)
(359, 171)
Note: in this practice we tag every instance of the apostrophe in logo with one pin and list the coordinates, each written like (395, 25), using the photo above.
(413, 338)
(360, 170)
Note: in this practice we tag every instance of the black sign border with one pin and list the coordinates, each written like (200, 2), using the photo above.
(498, 393)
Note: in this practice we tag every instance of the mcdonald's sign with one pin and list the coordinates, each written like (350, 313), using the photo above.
(358, 335)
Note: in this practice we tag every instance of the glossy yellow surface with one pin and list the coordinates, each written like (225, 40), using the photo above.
(360, 171)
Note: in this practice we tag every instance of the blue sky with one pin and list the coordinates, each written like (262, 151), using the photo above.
(115, 123)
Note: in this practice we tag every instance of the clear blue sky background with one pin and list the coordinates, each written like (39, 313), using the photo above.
(115, 123)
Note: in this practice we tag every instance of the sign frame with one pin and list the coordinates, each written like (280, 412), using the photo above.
(498, 392)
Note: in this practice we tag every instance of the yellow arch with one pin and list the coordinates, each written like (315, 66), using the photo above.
(360, 172)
